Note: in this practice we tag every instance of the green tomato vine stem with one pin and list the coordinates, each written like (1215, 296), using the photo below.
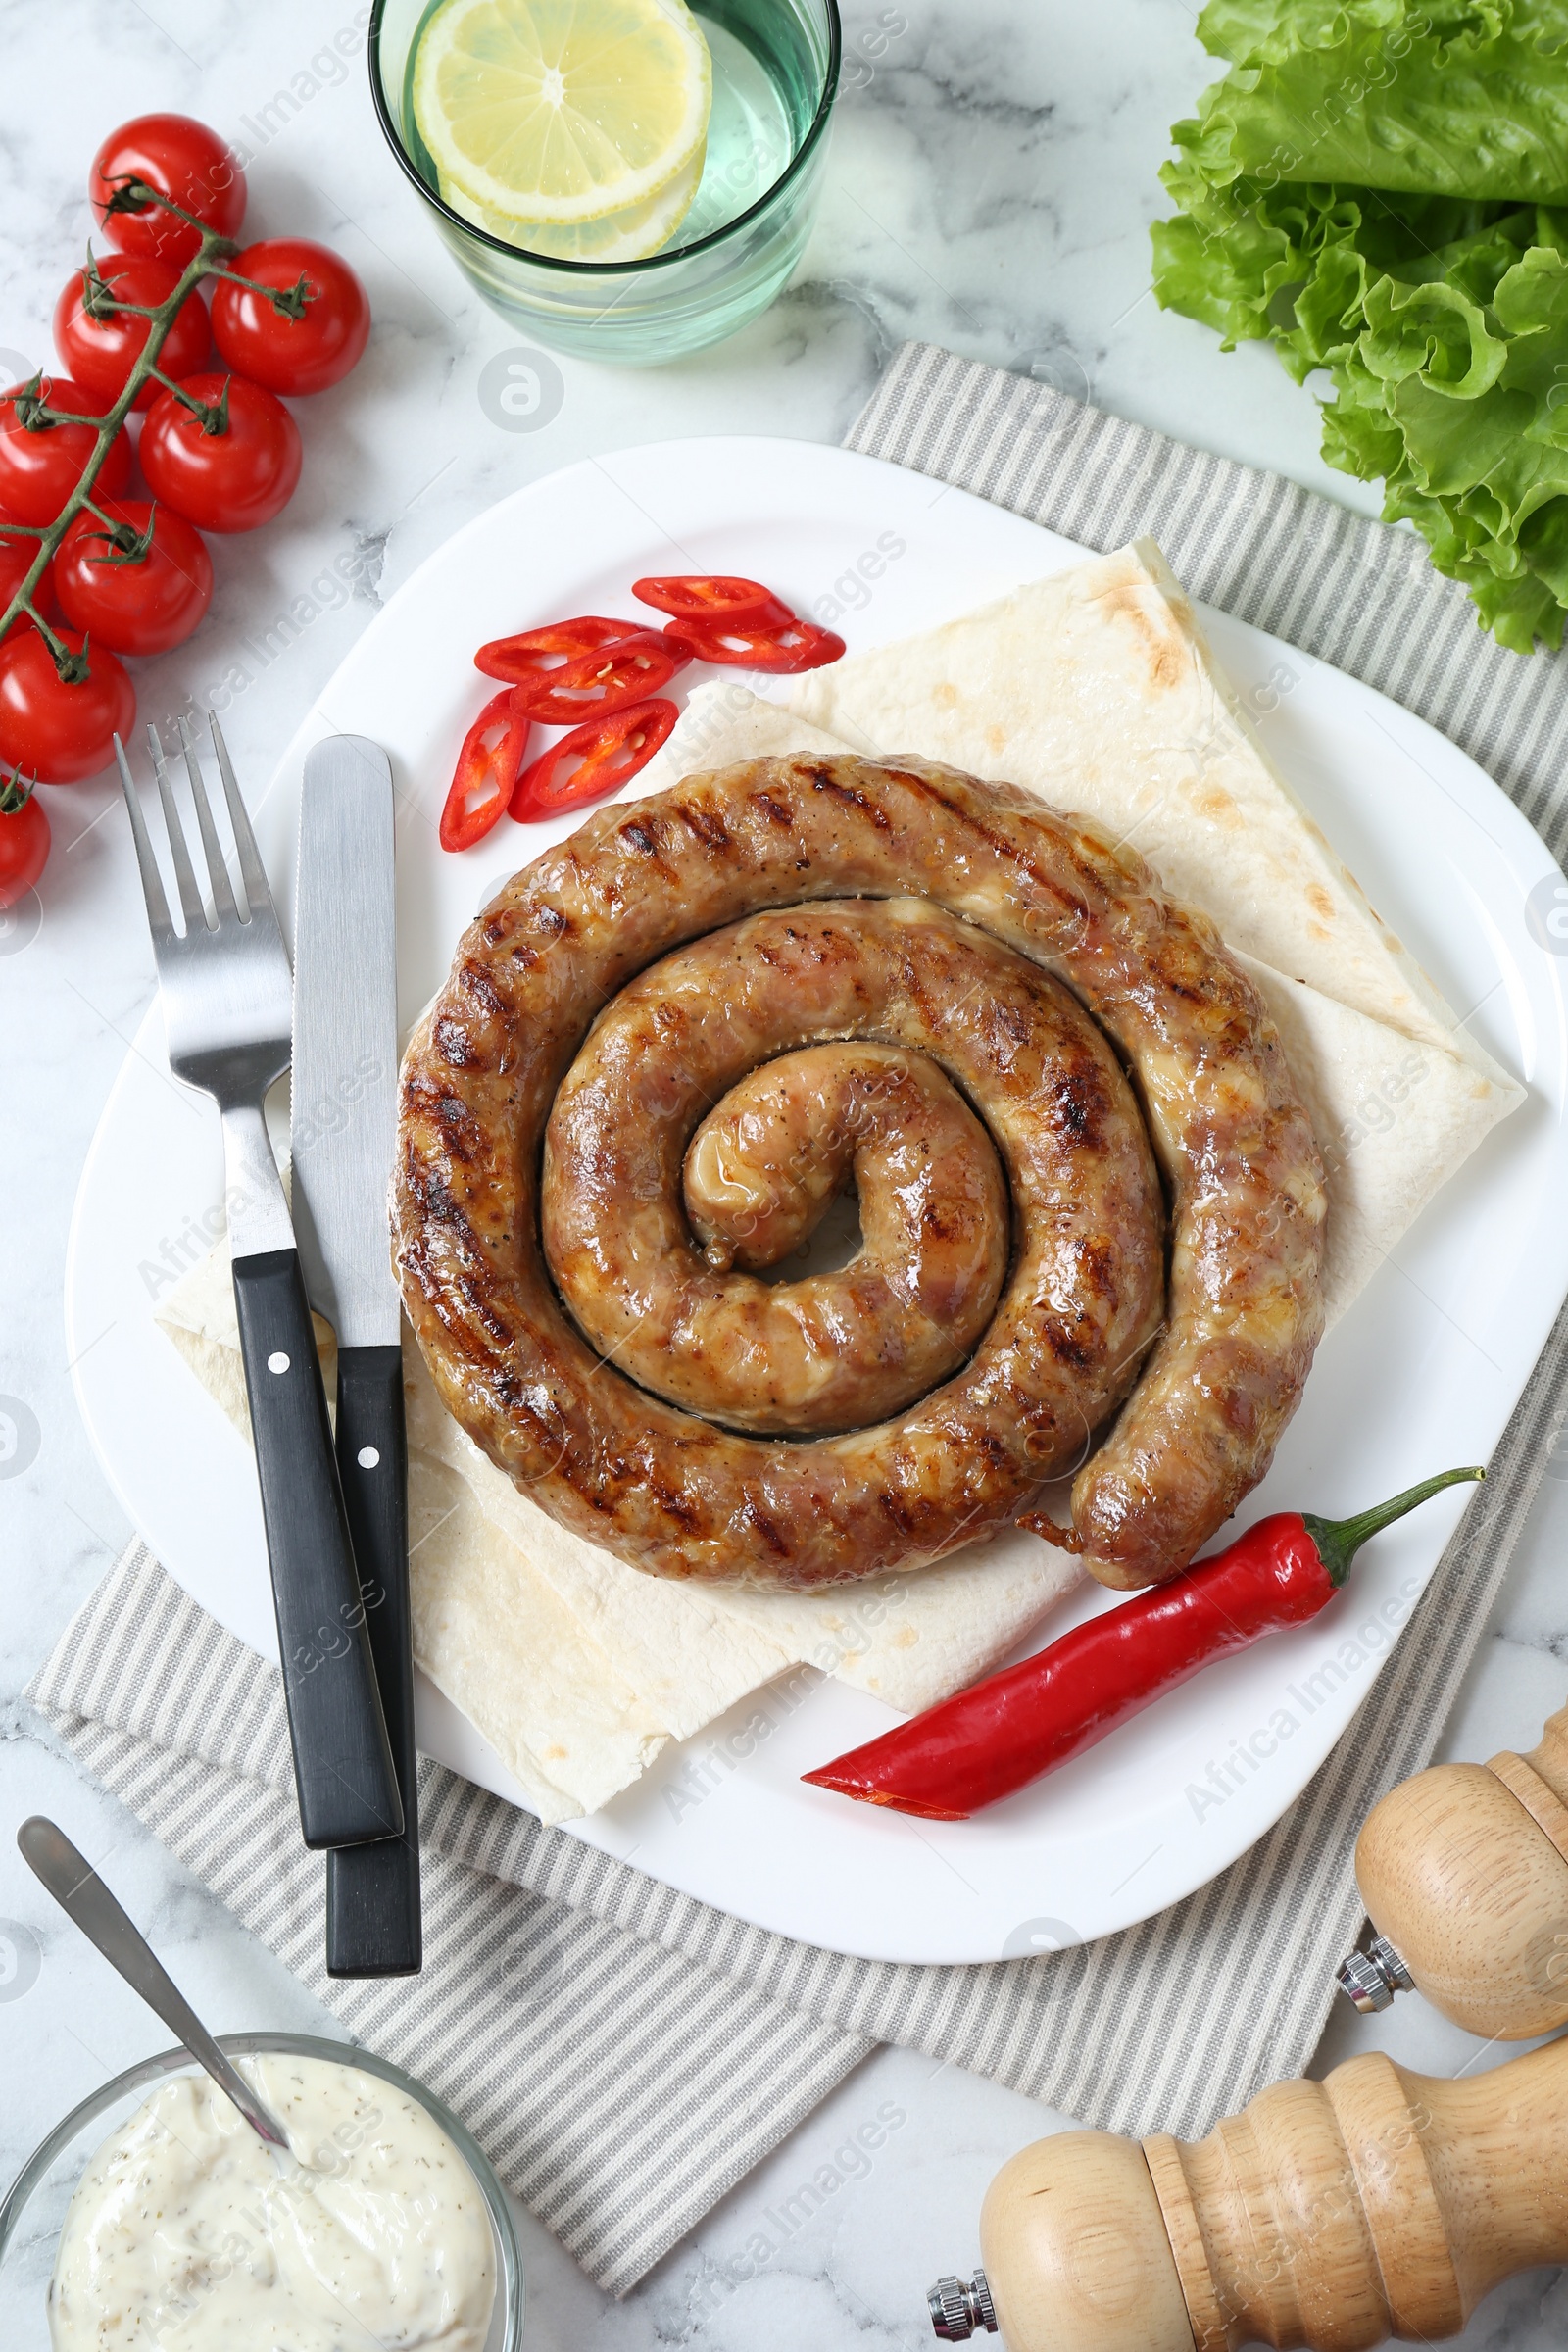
(132, 195)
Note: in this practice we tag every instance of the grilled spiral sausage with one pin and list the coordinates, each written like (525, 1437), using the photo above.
(839, 1351)
(830, 1351)
(888, 918)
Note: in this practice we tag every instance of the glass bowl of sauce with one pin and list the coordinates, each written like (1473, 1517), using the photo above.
(775, 71)
(152, 2213)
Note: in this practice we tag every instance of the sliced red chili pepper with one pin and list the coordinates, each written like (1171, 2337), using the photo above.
(486, 773)
(592, 759)
(612, 679)
(533, 651)
(1003, 1733)
(712, 596)
(791, 645)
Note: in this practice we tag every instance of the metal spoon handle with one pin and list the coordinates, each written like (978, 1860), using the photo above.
(81, 1892)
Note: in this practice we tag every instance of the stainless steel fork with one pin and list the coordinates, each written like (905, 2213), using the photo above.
(226, 992)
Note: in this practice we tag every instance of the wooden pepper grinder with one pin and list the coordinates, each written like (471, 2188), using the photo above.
(1464, 1874)
(1329, 2215)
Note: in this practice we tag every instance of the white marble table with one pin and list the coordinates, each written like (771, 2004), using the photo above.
(992, 179)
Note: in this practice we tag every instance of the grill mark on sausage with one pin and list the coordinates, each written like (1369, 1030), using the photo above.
(706, 823)
(1078, 1103)
(1068, 1348)
(759, 1521)
(460, 1136)
(453, 1042)
(477, 984)
(996, 842)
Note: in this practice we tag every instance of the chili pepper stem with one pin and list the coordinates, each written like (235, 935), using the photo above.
(1340, 1540)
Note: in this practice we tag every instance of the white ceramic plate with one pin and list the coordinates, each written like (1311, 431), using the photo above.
(1421, 1374)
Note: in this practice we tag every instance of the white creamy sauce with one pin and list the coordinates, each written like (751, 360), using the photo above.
(188, 2234)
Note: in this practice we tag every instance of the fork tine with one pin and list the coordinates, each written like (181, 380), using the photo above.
(217, 864)
(190, 897)
(152, 882)
(258, 891)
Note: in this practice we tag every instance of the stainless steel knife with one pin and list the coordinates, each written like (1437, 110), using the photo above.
(344, 1119)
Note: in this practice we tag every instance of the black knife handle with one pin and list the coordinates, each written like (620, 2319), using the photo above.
(372, 1892)
(343, 1767)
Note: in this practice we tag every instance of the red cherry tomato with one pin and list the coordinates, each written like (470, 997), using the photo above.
(486, 773)
(792, 645)
(40, 465)
(101, 351)
(16, 562)
(292, 355)
(713, 596)
(139, 588)
(229, 478)
(23, 840)
(59, 730)
(591, 760)
(611, 678)
(533, 652)
(180, 158)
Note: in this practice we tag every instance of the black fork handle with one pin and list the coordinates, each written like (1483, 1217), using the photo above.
(343, 1767)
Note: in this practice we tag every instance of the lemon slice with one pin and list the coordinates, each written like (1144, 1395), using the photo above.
(562, 112)
(629, 235)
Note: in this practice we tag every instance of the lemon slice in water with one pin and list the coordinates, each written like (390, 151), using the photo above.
(557, 113)
(622, 237)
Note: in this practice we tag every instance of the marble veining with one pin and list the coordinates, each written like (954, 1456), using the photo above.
(991, 184)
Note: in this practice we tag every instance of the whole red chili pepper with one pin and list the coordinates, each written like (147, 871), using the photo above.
(1002, 1734)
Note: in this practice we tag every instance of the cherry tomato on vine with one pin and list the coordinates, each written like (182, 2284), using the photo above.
(61, 729)
(229, 468)
(23, 840)
(292, 355)
(138, 587)
(101, 351)
(16, 562)
(180, 158)
(40, 465)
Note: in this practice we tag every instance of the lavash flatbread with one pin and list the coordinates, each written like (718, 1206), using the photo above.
(1095, 688)
(577, 1669)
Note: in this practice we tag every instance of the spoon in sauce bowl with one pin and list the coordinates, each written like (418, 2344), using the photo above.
(81, 1894)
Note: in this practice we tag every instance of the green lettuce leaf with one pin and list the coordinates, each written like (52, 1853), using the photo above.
(1402, 241)
(1430, 96)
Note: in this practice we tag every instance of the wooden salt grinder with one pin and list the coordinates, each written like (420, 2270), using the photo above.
(1330, 2214)
(1464, 1874)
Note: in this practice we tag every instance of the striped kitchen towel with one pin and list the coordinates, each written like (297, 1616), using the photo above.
(625, 2053)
